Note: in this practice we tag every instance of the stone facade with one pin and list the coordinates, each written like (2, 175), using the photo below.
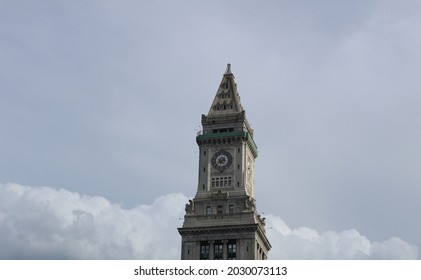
(221, 222)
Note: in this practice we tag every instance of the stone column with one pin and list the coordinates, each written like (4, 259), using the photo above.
(211, 249)
(225, 249)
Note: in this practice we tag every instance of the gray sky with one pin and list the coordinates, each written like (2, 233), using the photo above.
(104, 98)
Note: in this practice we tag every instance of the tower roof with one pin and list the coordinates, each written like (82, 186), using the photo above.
(227, 99)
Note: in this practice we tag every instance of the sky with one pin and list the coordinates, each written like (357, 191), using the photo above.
(101, 101)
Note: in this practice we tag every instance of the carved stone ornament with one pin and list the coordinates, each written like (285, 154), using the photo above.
(190, 207)
(250, 203)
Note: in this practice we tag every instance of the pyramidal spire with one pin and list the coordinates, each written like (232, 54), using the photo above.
(227, 99)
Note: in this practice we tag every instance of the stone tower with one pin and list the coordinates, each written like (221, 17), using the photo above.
(221, 222)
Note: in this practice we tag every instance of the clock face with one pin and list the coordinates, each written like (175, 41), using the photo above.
(221, 160)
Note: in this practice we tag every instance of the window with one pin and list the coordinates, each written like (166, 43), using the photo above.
(232, 250)
(204, 153)
(208, 210)
(231, 209)
(224, 95)
(204, 250)
(218, 248)
(223, 130)
(221, 181)
(220, 210)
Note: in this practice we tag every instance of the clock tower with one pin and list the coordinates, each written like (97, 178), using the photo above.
(222, 222)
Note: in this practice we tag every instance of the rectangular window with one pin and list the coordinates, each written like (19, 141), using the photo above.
(208, 210)
(218, 249)
(232, 250)
(221, 181)
(204, 250)
(217, 253)
(231, 209)
(220, 210)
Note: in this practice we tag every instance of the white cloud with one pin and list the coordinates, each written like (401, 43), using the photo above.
(307, 243)
(48, 223)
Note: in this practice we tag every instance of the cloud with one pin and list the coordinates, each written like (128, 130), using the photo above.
(307, 243)
(49, 223)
